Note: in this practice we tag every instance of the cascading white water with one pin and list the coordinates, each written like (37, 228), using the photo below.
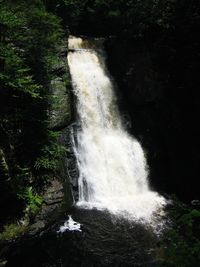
(112, 164)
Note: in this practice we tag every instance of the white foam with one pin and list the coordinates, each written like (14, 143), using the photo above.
(70, 225)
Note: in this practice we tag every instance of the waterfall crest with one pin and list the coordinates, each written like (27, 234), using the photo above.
(112, 164)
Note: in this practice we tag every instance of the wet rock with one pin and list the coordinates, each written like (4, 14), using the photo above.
(60, 113)
(61, 107)
(163, 106)
(52, 207)
(70, 163)
(54, 194)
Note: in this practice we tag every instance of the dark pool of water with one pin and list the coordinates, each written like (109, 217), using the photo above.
(104, 241)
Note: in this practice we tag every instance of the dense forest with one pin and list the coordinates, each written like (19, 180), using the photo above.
(153, 54)
(29, 40)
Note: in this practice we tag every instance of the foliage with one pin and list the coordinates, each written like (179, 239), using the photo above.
(115, 17)
(182, 241)
(12, 231)
(128, 19)
(51, 153)
(29, 43)
(33, 202)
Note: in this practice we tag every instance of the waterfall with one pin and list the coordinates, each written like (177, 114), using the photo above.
(113, 173)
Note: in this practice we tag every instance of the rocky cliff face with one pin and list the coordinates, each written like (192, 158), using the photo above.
(159, 94)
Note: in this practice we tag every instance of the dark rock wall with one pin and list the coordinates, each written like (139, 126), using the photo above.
(70, 168)
(158, 92)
